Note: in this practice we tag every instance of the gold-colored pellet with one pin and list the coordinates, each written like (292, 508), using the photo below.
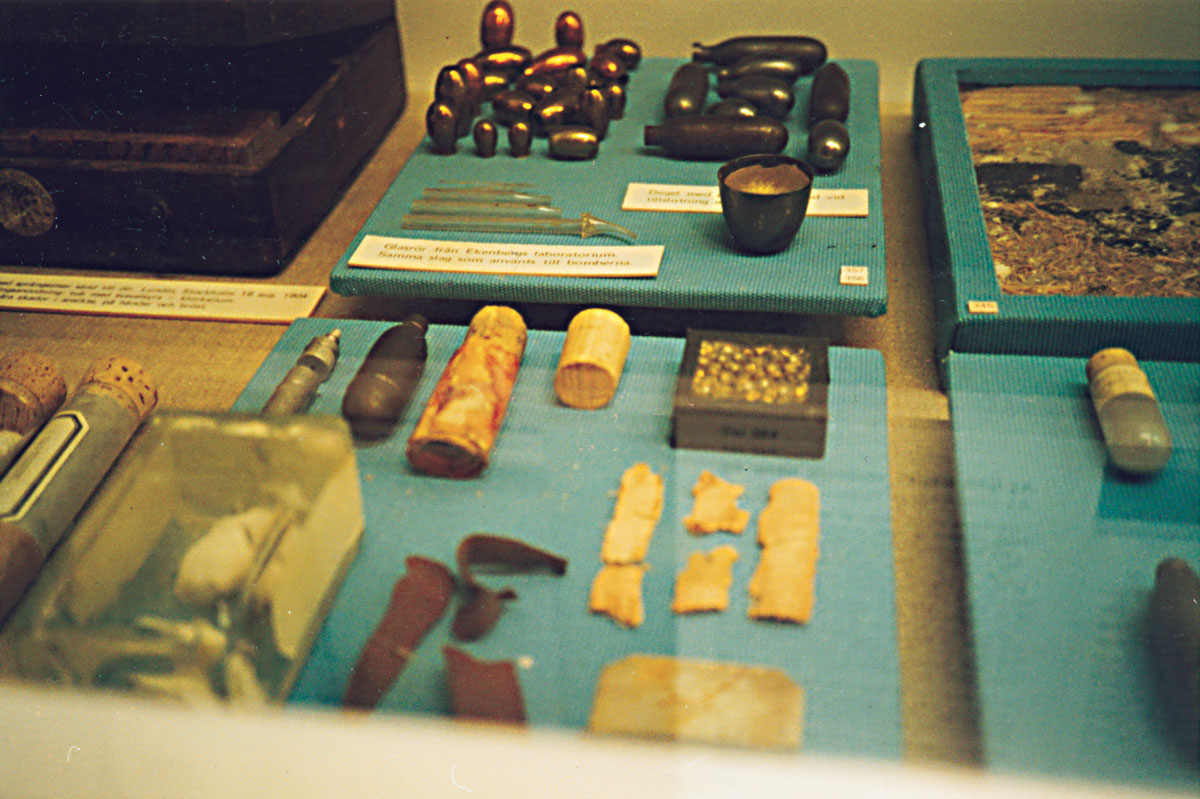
(759, 373)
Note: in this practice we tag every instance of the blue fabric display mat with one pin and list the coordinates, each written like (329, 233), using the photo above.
(700, 268)
(1060, 557)
(552, 483)
(973, 313)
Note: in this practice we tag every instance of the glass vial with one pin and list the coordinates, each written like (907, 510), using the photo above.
(1131, 421)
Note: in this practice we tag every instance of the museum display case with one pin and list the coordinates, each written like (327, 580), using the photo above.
(499, 457)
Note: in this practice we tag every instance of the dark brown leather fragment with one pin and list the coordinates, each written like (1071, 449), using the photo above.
(418, 600)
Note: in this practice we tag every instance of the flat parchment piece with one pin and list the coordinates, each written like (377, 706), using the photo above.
(617, 592)
(703, 585)
(793, 513)
(698, 701)
(636, 513)
(715, 506)
(782, 587)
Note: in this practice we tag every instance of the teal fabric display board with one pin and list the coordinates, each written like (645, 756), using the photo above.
(1060, 557)
(1152, 327)
(552, 483)
(700, 268)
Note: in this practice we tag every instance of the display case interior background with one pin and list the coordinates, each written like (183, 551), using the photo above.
(206, 365)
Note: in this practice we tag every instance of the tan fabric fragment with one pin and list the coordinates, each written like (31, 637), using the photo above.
(636, 513)
(617, 593)
(703, 585)
(715, 506)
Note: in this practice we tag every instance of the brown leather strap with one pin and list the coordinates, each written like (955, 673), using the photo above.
(418, 600)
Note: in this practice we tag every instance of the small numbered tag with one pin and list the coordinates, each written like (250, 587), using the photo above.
(855, 276)
(983, 306)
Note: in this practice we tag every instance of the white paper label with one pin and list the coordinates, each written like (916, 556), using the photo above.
(983, 306)
(177, 299)
(855, 276)
(548, 260)
(707, 200)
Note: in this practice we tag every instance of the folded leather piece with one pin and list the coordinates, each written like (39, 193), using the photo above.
(480, 611)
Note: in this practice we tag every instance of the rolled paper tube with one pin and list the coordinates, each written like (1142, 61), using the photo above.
(419, 599)
(592, 360)
(457, 430)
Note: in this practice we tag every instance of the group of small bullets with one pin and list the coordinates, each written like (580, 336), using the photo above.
(560, 94)
(755, 78)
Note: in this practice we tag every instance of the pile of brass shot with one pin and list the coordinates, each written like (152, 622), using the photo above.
(561, 94)
(767, 373)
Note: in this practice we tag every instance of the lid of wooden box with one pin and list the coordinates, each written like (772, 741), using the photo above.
(182, 22)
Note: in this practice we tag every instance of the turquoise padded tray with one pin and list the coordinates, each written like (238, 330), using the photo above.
(700, 268)
(1060, 556)
(552, 483)
(1165, 328)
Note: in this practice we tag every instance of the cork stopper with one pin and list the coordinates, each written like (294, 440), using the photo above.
(1112, 356)
(31, 389)
(123, 380)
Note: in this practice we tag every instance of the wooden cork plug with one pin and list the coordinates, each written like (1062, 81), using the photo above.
(593, 357)
(31, 389)
(123, 380)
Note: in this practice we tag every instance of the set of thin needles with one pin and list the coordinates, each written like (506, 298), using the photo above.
(500, 208)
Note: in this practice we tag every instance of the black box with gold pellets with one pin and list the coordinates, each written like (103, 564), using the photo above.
(762, 393)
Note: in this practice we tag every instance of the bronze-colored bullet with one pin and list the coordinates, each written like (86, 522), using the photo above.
(556, 60)
(574, 143)
(593, 112)
(441, 123)
(568, 30)
(554, 111)
(497, 24)
(508, 60)
(484, 135)
(520, 138)
(512, 105)
(627, 50)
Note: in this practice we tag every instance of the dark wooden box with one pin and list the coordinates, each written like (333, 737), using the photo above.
(205, 136)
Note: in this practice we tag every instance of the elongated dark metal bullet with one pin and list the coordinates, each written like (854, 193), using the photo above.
(830, 98)
(382, 387)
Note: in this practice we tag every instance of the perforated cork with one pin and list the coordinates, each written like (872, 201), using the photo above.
(123, 380)
(31, 389)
